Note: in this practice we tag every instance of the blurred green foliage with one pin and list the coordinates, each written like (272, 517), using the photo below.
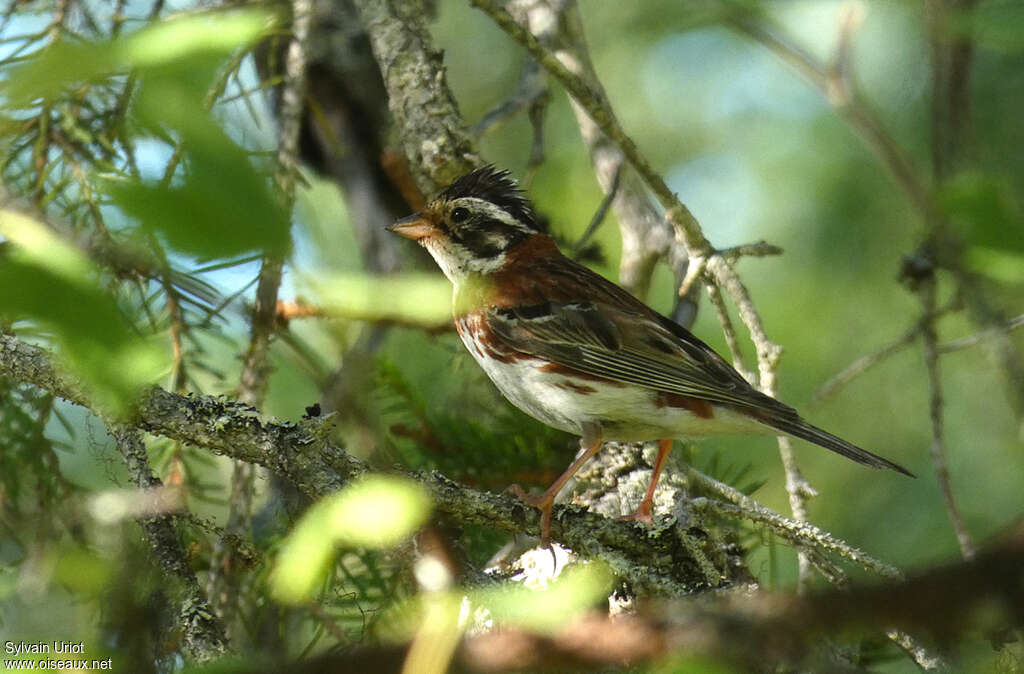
(377, 511)
(160, 136)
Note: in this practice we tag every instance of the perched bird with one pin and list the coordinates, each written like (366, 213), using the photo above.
(578, 352)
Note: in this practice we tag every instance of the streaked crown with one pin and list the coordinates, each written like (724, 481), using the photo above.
(473, 222)
(494, 186)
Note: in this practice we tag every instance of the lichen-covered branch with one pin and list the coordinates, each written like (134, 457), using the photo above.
(203, 633)
(427, 123)
(652, 560)
(737, 505)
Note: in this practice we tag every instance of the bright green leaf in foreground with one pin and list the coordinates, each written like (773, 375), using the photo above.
(577, 590)
(999, 265)
(416, 299)
(82, 570)
(378, 511)
(47, 280)
(219, 205)
(65, 64)
(218, 32)
(224, 208)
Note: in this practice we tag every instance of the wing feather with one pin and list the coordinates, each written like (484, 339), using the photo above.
(618, 337)
(608, 341)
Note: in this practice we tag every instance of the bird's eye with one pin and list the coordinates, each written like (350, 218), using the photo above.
(459, 215)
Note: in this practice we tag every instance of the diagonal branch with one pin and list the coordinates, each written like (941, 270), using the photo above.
(434, 137)
(836, 85)
(655, 561)
(646, 235)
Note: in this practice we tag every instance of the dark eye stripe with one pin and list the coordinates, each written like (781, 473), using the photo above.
(488, 238)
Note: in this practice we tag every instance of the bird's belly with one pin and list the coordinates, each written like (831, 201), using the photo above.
(624, 412)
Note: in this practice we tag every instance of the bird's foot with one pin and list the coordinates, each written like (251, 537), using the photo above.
(543, 502)
(644, 513)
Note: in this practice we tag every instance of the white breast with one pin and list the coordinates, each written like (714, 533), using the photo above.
(624, 412)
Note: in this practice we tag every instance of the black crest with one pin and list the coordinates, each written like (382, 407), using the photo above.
(498, 187)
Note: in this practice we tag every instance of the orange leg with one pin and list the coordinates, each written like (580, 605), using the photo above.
(590, 443)
(644, 513)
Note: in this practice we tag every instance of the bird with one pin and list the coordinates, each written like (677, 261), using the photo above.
(578, 352)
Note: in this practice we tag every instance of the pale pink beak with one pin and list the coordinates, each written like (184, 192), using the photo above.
(414, 227)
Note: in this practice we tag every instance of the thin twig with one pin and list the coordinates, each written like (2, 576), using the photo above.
(858, 367)
(862, 365)
(926, 291)
(924, 658)
(756, 249)
(531, 89)
(646, 236)
(715, 297)
(253, 380)
(599, 215)
(835, 85)
(979, 337)
(797, 532)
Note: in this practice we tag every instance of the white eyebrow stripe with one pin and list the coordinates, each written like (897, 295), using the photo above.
(490, 210)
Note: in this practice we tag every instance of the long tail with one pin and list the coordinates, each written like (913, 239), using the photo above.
(798, 427)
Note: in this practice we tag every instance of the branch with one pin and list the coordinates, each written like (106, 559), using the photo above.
(223, 585)
(801, 534)
(926, 291)
(204, 638)
(433, 135)
(862, 365)
(652, 560)
(750, 632)
(646, 236)
(835, 84)
(979, 337)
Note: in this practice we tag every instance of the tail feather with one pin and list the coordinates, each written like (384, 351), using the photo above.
(799, 428)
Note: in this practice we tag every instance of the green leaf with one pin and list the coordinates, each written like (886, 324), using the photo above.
(219, 211)
(224, 206)
(377, 511)
(82, 571)
(419, 299)
(46, 280)
(65, 64)
(999, 265)
(215, 32)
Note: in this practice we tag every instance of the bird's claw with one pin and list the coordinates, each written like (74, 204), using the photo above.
(644, 514)
(543, 502)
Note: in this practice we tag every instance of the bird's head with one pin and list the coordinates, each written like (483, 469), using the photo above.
(470, 227)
